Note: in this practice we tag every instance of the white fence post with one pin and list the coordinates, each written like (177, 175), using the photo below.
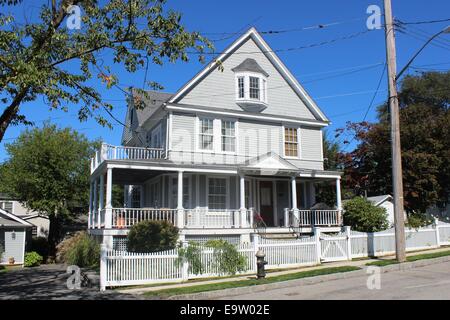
(349, 242)
(436, 227)
(185, 266)
(103, 267)
(317, 240)
(255, 249)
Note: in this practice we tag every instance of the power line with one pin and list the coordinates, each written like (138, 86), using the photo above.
(318, 44)
(427, 22)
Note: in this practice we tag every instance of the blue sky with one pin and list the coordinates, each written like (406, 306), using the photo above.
(326, 72)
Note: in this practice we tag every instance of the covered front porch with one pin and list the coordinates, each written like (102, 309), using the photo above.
(194, 198)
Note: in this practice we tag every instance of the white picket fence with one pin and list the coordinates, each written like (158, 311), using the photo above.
(121, 268)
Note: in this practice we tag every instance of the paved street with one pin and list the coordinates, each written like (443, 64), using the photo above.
(429, 282)
(48, 282)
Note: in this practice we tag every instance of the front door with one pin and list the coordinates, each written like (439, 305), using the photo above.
(266, 202)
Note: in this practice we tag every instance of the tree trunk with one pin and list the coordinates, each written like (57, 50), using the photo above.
(10, 112)
(54, 233)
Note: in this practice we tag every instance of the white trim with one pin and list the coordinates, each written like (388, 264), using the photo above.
(321, 145)
(15, 218)
(230, 113)
(274, 59)
(161, 168)
(174, 176)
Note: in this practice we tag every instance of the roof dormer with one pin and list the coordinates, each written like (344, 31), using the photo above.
(251, 86)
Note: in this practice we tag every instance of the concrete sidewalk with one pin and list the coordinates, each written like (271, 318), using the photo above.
(357, 263)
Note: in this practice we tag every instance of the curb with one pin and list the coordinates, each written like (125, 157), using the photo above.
(305, 281)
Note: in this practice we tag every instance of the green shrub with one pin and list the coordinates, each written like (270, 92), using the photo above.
(152, 236)
(363, 216)
(226, 258)
(32, 259)
(80, 249)
(192, 255)
(417, 220)
(41, 246)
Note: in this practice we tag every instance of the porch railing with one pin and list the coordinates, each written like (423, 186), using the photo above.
(312, 218)
(217, 218)
(110, 152)
(127, 217)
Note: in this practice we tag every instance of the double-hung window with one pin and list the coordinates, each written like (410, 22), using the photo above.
(217, 193)
(254, 88)
(241, 88)
(290, 142)
(228, 136)
(206, 134)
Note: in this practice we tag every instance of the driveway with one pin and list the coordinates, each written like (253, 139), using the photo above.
(428, 282)
(49, 282)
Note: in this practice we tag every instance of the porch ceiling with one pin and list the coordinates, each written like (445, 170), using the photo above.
(130, 176)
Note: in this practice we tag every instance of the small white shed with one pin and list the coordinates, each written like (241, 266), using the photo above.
(13, 238)
(384, 201)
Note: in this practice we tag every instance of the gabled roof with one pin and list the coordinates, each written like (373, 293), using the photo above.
(269, 163)
(250, 64)
(269, 53)
(11, 220)
(377, 200)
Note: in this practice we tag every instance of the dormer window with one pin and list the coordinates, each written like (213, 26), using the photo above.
(251, 86)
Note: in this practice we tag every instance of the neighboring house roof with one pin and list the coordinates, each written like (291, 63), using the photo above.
(154, 100)
(377, 200)
(10, 220)
(32, 216)
(270, 54)
(250, 64)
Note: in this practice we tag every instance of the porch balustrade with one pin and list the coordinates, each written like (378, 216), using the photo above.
(310, 218)
(123, 218)
(110, 152)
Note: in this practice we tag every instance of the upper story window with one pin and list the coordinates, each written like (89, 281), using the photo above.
(206, 134)
(228, 136)
(290, 142)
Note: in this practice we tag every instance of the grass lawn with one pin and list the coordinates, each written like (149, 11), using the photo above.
(247, 283)
(422, 256)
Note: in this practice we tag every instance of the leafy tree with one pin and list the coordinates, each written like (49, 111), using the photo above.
(363, 216)
(34, 57)
(424, 128)
(152, 236)
(48, 171)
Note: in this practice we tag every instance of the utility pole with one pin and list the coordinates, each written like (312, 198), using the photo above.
(397, 183)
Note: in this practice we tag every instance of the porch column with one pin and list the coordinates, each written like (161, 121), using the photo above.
(101, 200)
(338, 198)
(338, 194)
(91, 189)
(108, 207)
(295, 211)
(95, 204)
(180, 210)
(244, 222)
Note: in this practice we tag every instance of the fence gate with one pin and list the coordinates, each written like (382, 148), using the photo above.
(333, 247)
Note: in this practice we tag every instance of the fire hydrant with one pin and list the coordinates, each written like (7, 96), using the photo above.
(260, 263)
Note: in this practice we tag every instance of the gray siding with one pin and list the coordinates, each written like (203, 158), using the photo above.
(218, 88)
(12, 247)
